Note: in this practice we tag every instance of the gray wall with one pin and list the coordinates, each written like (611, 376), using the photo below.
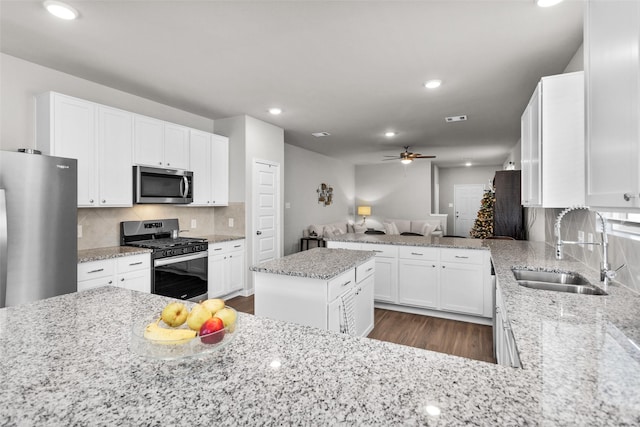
(394, 190)
(21, 81)
(304, 172)
(449, 177)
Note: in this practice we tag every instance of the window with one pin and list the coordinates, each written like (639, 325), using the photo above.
(623, 224)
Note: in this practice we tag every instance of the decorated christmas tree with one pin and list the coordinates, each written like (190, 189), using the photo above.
(483, 225)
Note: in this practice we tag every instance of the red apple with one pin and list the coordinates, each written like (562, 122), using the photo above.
(212, 331)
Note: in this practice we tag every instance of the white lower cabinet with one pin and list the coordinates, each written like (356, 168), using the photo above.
(226, 268)
(418, 283)
(129, 272)
(363, 310)
(443, 279)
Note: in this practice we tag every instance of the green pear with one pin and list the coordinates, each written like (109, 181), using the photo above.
(174, 314)
(213, 305)
(197, 316)
(228, 316)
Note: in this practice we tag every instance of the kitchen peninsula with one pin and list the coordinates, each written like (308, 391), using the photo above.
(66, 360)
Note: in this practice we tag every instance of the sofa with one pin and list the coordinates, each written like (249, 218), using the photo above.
(437, 226)
(424, 227)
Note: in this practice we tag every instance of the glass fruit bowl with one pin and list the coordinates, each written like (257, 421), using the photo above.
(168, 347)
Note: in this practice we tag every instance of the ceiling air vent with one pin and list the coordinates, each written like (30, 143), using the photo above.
(320, 134)
(456, 119)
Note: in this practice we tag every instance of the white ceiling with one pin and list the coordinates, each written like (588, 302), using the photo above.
(351, 68)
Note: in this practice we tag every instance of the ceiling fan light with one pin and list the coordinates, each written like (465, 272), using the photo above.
(60, 10)
(390, 134)
(406, 161)
(432, 84)
(547, 3)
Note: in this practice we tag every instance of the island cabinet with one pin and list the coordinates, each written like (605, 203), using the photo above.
(341, 303)
(612, 67)
(129, 272)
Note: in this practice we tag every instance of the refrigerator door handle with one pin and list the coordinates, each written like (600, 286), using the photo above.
(3, 248)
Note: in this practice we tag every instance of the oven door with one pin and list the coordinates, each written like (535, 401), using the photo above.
(182, 277)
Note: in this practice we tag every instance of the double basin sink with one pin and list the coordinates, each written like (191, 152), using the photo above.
(556, 281)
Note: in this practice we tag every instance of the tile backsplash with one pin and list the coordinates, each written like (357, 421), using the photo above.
(621, 250)
(101, 226)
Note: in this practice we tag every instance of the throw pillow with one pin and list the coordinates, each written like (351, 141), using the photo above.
(359, 229)
(390, 228)
(428, 229)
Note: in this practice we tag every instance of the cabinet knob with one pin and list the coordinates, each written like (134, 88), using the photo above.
(168, 164)
(90, 200)
(122, 280)
(104, 201)
(159, 163)
(110, 281)
(628, 196)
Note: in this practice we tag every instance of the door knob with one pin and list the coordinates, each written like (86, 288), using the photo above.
(258, 232)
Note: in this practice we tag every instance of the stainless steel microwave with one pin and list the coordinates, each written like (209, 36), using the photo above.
(156, 185)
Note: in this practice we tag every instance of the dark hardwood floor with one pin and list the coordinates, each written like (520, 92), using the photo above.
(430, 333)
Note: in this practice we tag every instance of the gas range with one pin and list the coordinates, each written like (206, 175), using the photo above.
(180, 264)
(157, 235)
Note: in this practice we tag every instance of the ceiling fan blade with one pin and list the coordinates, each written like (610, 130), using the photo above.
(394, 158)
(420, 156)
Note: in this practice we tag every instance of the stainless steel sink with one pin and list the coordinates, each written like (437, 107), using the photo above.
(552, 281)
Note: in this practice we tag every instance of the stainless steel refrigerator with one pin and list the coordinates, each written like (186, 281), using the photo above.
(38, 234)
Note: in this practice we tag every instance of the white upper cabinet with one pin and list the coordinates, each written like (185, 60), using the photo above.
(220, 170)
(160, 144)
(66, 128)
(99, 137)
(209, 161)
(552, 134)
(612, 66)
(176, 146)
(115, 143)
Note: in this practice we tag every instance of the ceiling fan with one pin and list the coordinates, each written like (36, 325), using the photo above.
(407, 157)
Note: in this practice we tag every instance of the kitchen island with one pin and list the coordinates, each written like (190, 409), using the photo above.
(66, 361)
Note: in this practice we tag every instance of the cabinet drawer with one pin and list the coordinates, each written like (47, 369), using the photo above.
(339, 284)
(95, 283)
(224, 247)
(236, 245)
(95, 269)
(388, 251)
(344, 245)
(133, 263)
(365, 270)
(417, 252)
(462, 256)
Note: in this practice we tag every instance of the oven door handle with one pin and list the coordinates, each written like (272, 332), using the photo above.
(175, 259)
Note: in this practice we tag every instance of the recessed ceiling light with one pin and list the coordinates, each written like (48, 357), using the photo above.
(320, 134)
(467, 164)
(390, 134)
(547, 3)
(61, 10)
(432, 84)
(275, 111)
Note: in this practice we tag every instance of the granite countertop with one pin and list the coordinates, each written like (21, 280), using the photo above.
(579, 355)
(391, 239)
(220, 238)
(316, 263)
(87, 255)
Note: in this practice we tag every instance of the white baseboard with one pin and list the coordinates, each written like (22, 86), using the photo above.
(435, 313)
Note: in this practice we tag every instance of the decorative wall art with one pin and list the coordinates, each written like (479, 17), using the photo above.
(325, 194)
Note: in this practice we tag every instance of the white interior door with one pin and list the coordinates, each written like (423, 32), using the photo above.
(466, 203)
(266, 244)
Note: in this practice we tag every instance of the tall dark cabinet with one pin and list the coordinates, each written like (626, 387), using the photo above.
(508, 215)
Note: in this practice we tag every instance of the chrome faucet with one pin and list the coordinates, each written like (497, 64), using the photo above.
(606, 274)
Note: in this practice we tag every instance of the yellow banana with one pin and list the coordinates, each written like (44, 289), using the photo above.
(160, 335)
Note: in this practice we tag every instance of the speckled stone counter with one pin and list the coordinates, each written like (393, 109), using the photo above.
(316, 263)
(388, 239)
(579, 353)
(220, 238)
(88, 255)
